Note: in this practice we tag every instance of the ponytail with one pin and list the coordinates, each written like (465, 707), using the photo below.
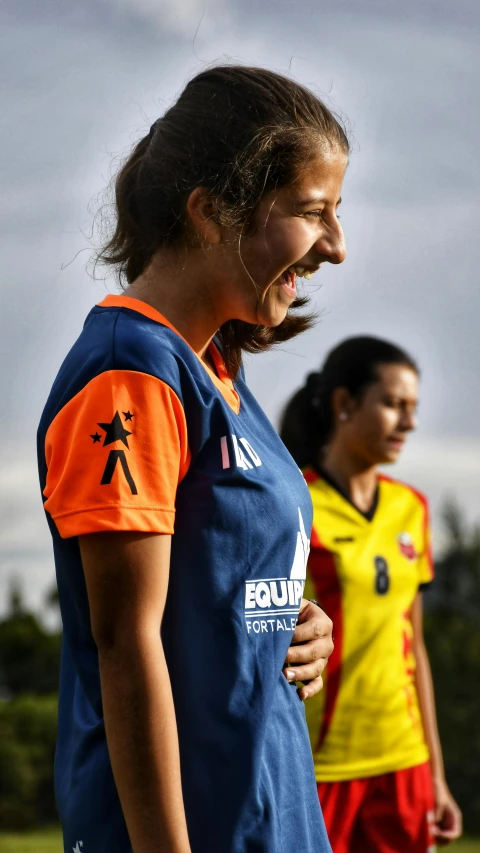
(305, 424)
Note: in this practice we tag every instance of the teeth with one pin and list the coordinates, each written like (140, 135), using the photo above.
(301, 271)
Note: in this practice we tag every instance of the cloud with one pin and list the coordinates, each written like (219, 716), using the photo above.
(180, 18)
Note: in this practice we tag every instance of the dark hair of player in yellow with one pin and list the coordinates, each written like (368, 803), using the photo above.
(307, 421)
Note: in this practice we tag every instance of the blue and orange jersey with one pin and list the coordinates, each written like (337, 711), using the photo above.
(365, 571)
(139, 434)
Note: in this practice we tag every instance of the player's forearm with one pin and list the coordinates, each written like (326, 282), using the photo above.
(426, 700)
(143, 744)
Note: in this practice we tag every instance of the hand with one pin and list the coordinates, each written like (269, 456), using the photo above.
(312, 645)
(448, 817)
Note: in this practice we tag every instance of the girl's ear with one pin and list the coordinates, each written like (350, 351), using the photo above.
(342, 404)
(202, 211)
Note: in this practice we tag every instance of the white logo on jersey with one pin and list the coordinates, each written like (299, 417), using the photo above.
(299, 565)
(242, 460)
(78, 846)
(272, 604)
(407, 547)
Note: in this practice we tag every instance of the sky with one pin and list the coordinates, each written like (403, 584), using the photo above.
(79, 83)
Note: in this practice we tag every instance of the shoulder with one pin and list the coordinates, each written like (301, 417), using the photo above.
(319, 488)
(139, 342)
(117, 339)
(317, 481)
(324, 496)
(117, 349)
(397, 488)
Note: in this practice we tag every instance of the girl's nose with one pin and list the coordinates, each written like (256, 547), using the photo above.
(409, 420)
(331, 246)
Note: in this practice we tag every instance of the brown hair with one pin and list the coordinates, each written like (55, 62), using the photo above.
(239, 132)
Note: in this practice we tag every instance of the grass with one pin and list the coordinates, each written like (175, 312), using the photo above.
(41, 841)
(50, 841)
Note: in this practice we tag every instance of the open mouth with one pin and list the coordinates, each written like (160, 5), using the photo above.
(288, 278)
(302, 272)
(288, 282)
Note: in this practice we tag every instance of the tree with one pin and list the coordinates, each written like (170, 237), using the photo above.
(29, 654)
(452, 634)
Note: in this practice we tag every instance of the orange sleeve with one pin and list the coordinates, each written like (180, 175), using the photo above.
(115, 455)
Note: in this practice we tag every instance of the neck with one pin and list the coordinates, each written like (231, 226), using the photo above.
(355, 476)
(179, 290)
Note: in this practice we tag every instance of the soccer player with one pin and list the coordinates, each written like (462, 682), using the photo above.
(180, 523)
(373, 730)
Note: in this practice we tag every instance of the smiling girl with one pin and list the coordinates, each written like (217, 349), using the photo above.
(378, 760)
(173, 505)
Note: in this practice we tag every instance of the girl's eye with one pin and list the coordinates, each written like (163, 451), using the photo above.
(319, 213)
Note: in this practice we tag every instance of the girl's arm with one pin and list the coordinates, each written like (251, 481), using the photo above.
(448, 817)
(127, 580)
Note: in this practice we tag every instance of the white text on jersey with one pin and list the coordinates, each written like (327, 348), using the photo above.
(246, 460)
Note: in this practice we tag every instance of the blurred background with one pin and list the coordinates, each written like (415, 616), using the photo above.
(79, 84)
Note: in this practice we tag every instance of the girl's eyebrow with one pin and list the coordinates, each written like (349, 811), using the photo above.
(316, 200)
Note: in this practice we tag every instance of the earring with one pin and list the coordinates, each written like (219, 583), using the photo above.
(343, 416)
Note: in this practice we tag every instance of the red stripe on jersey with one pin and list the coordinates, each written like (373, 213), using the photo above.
(426, 529)
(310, 475)
(323, 572)
(315, 541)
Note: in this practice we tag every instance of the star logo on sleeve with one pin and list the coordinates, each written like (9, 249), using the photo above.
(78, 847)
(115, 431)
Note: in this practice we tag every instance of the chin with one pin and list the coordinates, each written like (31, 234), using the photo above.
(274, 323)
(271, 319)
(273, 310)
(390, 457)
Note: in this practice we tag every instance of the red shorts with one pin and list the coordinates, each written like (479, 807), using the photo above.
(393, 813)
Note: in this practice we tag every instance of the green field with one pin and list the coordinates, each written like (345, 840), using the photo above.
(49, 841)
(44, 841)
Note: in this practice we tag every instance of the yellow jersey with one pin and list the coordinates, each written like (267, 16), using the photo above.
(365, 571)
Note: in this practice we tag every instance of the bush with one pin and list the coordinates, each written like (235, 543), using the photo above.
(28, 728)
(29, 655)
